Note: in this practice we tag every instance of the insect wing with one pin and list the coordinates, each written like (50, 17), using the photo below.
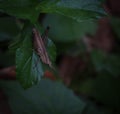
(39, 47)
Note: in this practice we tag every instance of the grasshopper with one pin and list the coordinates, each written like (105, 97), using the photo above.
(39, 46)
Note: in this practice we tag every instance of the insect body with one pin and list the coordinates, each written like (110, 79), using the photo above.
(40, 48)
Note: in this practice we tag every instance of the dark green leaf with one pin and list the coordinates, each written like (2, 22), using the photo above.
(20, 8)
(29, 9)
(47, 97)
(80, 10)
(30, 68)
(17, 41)
(28, 65)
(64, 29)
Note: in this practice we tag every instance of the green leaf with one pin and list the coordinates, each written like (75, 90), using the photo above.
(78, 10)
(30, 68)
(17, 41)
(28, 65)
(46, 98)
(64, 29)
(24, 9)
(29, 9)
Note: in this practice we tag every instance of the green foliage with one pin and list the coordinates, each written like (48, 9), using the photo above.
(79, 10)
(64, 29)
(29, 69)
(30, 9)
(24, 9)
(29, 66)
(69, 21)
(46, 97)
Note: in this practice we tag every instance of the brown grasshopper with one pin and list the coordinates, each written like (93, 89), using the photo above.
(39, 46)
